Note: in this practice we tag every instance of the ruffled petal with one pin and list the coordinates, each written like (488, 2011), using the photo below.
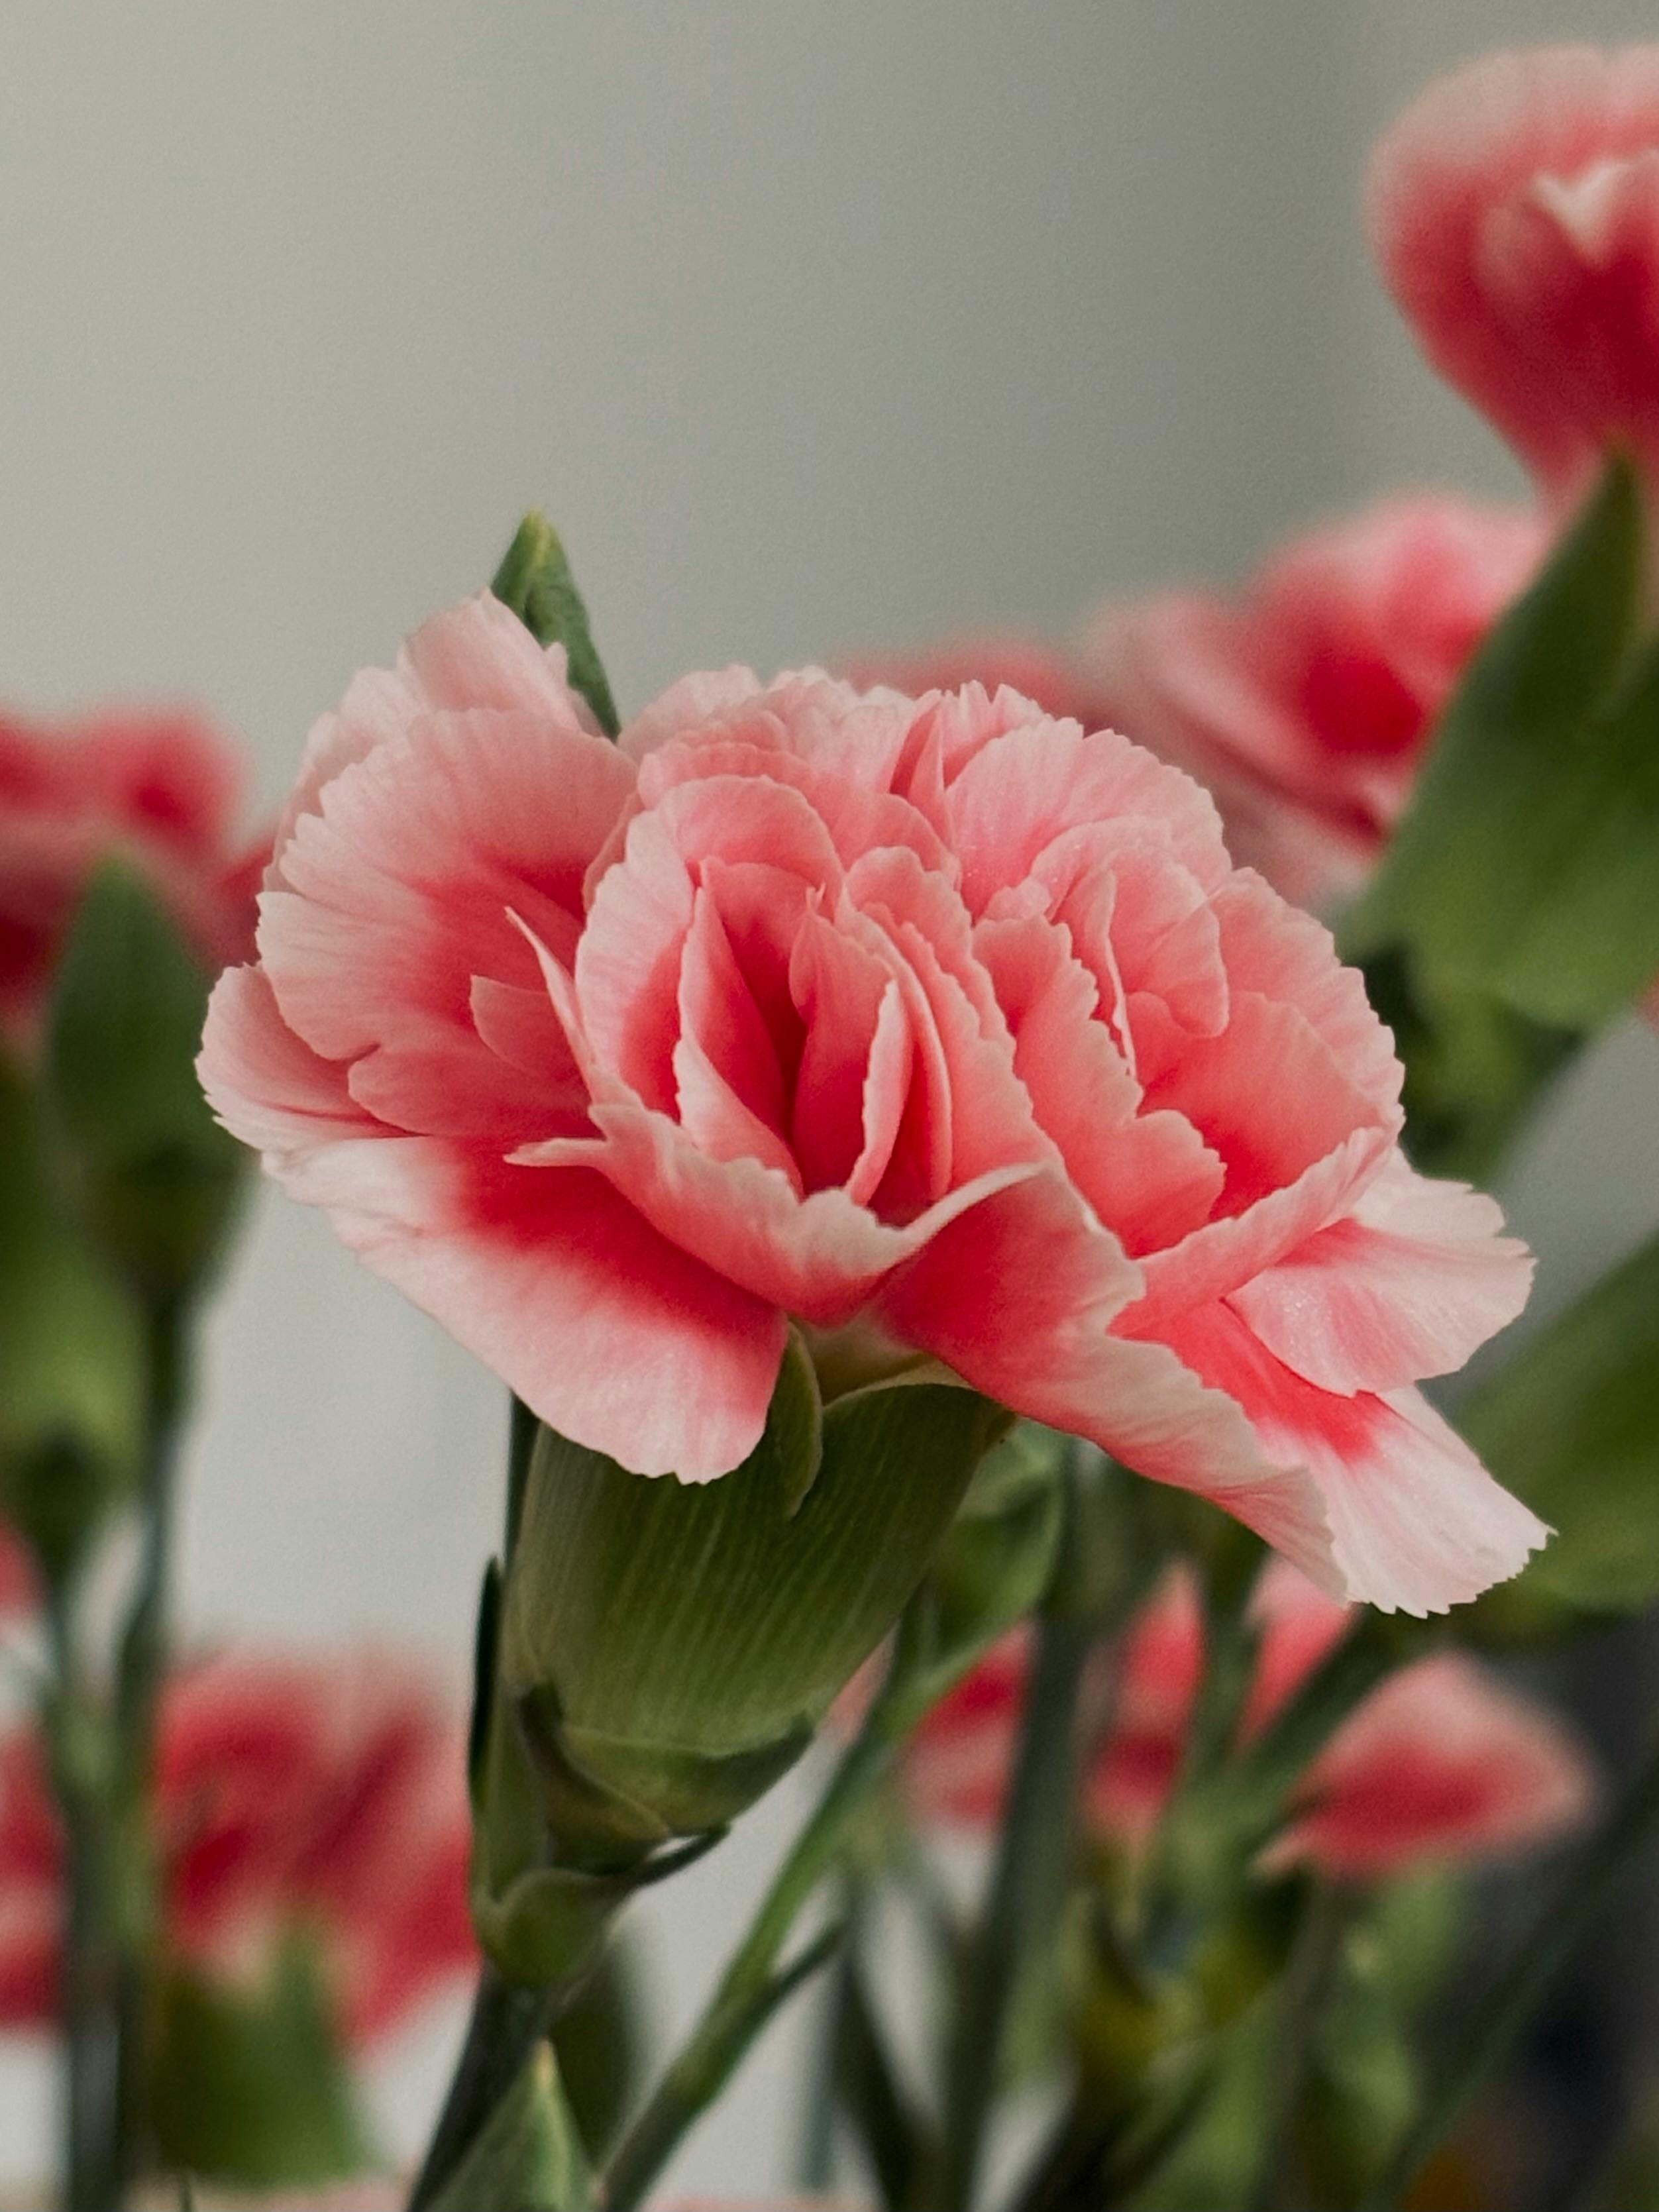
(1411, 1286)
(1416, 1522)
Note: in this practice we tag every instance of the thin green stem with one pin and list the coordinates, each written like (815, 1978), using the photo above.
(818, 2140)
(506, 2023)
(1032, 1850)
(1583, 1894)
(1303, 1998)
(140, 1670)
(746, 1994)
(91, 2157)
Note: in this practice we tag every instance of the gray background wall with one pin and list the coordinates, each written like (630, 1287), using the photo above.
(815, 328)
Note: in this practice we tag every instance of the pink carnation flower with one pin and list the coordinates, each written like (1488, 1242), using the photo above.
(1304, 704)
(938, 1024)
(164, 788)
(1442, 1762)
(1514, 209)
(291, 1798)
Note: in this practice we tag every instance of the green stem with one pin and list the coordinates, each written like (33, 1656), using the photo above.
(817, 2140)
(141, 1671)
(752, 1983)
(1031, 1855)
(1583, 1896)
(1303, 1997)
(91, 2162)
(507, 2022)
(508, 2019)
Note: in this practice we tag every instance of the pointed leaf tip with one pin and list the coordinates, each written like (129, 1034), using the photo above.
(530, 2154)
(535, 579)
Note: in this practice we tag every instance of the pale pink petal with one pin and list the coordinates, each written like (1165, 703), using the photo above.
(1150, 1176)
(477, 654)
(1017, 794)
(400, 887)
(1411, 1285)
(480, 654)
(1272, 947)
(693, 703)
(1222, 1258)
(1019, 1297)
(267, 1086)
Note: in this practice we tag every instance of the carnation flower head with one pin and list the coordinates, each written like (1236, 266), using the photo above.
(1305, 702)
(320, 1798)
(942, 1028)
(1514, 210)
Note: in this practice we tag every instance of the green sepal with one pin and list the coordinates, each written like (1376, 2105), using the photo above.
(158, 1178)
(543, 1925)
(1572, 1426)
(599, 2040)
(530, 2155)
(73, 1374)
(992, 1569)
(251, 2087)
(669, 1648)
(535, 579)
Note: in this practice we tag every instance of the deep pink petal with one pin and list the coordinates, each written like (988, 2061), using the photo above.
(556, 1282)
(1446, 1763)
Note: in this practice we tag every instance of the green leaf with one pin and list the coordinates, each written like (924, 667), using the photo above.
(252, 2087)
(535, 580)
(671, 1647)
(1525, 868)
(73, 1375)
(599, 2040)
(1572, 1425)
(530, 2155)
(161, 1177)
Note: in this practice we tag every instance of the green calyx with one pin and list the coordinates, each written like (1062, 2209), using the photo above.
(669, 1649)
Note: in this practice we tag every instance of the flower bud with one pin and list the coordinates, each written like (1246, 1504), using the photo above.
(158, 1177)
(72, 1372)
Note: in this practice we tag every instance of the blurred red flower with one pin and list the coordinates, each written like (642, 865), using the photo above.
(323, 1798)
(162, 787)
(1442, 1762)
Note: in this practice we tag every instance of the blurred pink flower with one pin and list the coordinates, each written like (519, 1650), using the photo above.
(1443, 1761)
(1514, 209)
(1047, 674)
(162, 787)
(940, 1020)
(1304, 703)
(291, 1796)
